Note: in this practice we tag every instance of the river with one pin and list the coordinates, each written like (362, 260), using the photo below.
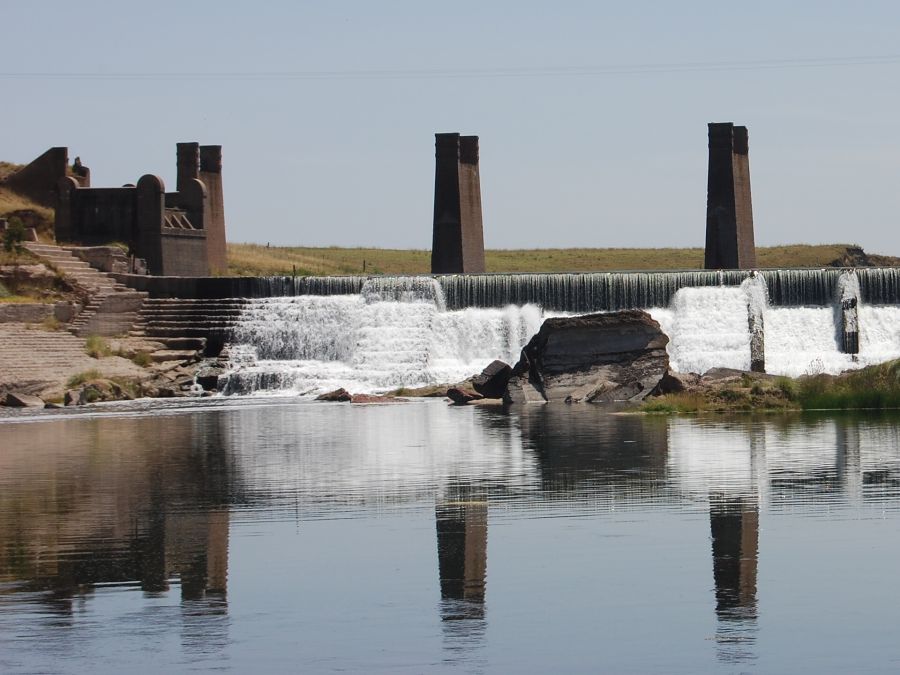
(282, 535)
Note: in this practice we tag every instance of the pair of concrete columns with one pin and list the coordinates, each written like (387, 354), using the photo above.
(458, 243)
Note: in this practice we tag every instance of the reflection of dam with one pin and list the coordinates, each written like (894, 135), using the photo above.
(148, 506)
(609, 516)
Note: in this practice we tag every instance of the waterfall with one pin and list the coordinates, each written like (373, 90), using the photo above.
(707, 328)
(380, 333)
(393, 333)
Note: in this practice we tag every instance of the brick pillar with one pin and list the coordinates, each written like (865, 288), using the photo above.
(150, 211)
(458, 235)
(64, 227)
(211, 175)
(729, 213)
(188, 163)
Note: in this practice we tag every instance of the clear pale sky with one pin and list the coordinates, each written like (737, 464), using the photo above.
(326, 112)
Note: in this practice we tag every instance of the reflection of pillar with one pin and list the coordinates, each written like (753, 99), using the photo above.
(734, 524)
(202, 558)
(848, 460)
(462, 549)
(217, 552)
(154, 575)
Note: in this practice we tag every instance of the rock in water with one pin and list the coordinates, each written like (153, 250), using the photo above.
(16, 399)
(615, 356)
(492, 381)
(374, 398)
(341, 395)
(461, 396)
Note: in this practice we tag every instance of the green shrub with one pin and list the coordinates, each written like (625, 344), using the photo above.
(50, 323)
(787, 387)
(82, 377)
(14, 235)
(97, 347)
(142, 359)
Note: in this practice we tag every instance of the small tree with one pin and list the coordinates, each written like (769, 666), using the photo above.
(14, 236)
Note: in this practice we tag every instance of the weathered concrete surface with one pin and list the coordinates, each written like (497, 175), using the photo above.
(177, 233)
(458, 234)
(729, 212)
(616, 356)
(40, 362)
(38, 179)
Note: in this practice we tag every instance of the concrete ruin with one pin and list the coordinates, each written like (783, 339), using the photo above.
(458, 235)
(729, 213)
(179, 233)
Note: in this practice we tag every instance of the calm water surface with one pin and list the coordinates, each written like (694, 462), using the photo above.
(282, 536)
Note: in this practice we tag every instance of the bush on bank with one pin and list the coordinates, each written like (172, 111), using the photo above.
(872, 388)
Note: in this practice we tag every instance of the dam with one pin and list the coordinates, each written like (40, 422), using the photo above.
(307, 335)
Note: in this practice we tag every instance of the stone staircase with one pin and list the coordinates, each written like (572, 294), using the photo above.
(183, 324)
(33, 360)
(112, 307)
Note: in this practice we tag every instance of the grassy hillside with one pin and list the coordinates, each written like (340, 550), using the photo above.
(13, 204)
(257, 260)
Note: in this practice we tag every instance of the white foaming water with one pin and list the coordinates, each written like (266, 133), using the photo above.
(397, 333)
(707, 328)
(379, 340)
(803, 341)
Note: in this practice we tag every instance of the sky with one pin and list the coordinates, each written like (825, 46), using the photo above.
(591, 115)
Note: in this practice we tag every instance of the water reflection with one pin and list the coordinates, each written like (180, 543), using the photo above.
(156, 504)
(93, 504)
(462, 529)
(734, 529)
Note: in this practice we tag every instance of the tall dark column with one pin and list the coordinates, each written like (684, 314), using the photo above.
(729, 213)
(188, 163)
(458, 241)
(211, 175)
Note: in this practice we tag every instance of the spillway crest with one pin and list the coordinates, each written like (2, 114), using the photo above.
(384, 333)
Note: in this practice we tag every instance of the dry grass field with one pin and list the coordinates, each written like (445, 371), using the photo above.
(258, 260)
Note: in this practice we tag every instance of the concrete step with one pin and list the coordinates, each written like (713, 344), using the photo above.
(188, 315)
(163, 355)
(183, 343)
(183, 331)
(208, 301)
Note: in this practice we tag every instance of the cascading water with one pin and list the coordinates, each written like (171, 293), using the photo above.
(707, 328)
(716, 327)
(381, 333)
(394, 333)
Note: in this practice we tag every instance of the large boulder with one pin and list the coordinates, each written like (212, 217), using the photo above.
(340, 395)
(614, 356)
(461, 395)
(492, 381)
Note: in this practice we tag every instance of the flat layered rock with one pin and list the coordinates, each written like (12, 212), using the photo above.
(605, 357)
(15, 399)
